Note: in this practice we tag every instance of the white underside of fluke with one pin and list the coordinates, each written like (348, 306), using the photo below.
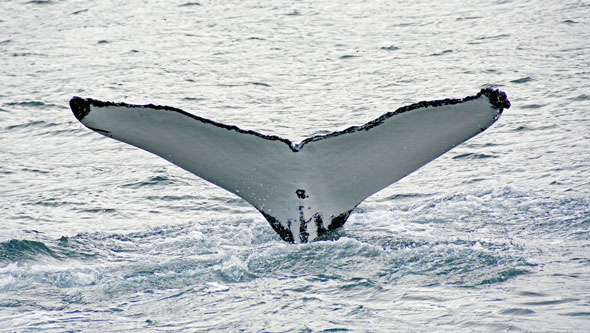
(305, 189)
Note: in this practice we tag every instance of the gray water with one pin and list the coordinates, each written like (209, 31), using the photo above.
(96, 235)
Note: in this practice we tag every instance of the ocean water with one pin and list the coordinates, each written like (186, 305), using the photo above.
(96, 235)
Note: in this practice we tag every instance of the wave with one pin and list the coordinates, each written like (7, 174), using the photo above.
(505, 275)
(16, 250)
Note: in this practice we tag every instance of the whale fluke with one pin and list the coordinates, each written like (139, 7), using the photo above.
(307, 189)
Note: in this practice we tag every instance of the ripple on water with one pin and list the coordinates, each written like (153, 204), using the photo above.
(522, 80)
(390, 48)
(582, 97)
(34, 104)
(349, 56)
(153, 181)
(517, 312)
(31, 124)
(40, 2)
(473, 156)
(262, 84)
(550, 302)
(532, 106)
(190, 4)
(576, 314)
(79, 11)
(441, 53)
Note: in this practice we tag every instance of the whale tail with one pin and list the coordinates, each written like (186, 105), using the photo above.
(303, 190)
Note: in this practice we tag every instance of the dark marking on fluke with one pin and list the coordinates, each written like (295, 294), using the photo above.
(335, 223)
(285, 233)
(303, 233)
(301, 194)
(80, 107)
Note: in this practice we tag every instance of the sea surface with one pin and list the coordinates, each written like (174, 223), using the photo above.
(96, 235)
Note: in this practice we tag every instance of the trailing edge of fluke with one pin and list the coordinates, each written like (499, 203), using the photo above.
(307, 189)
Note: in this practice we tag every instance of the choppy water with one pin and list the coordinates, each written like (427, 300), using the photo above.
(96, 235)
